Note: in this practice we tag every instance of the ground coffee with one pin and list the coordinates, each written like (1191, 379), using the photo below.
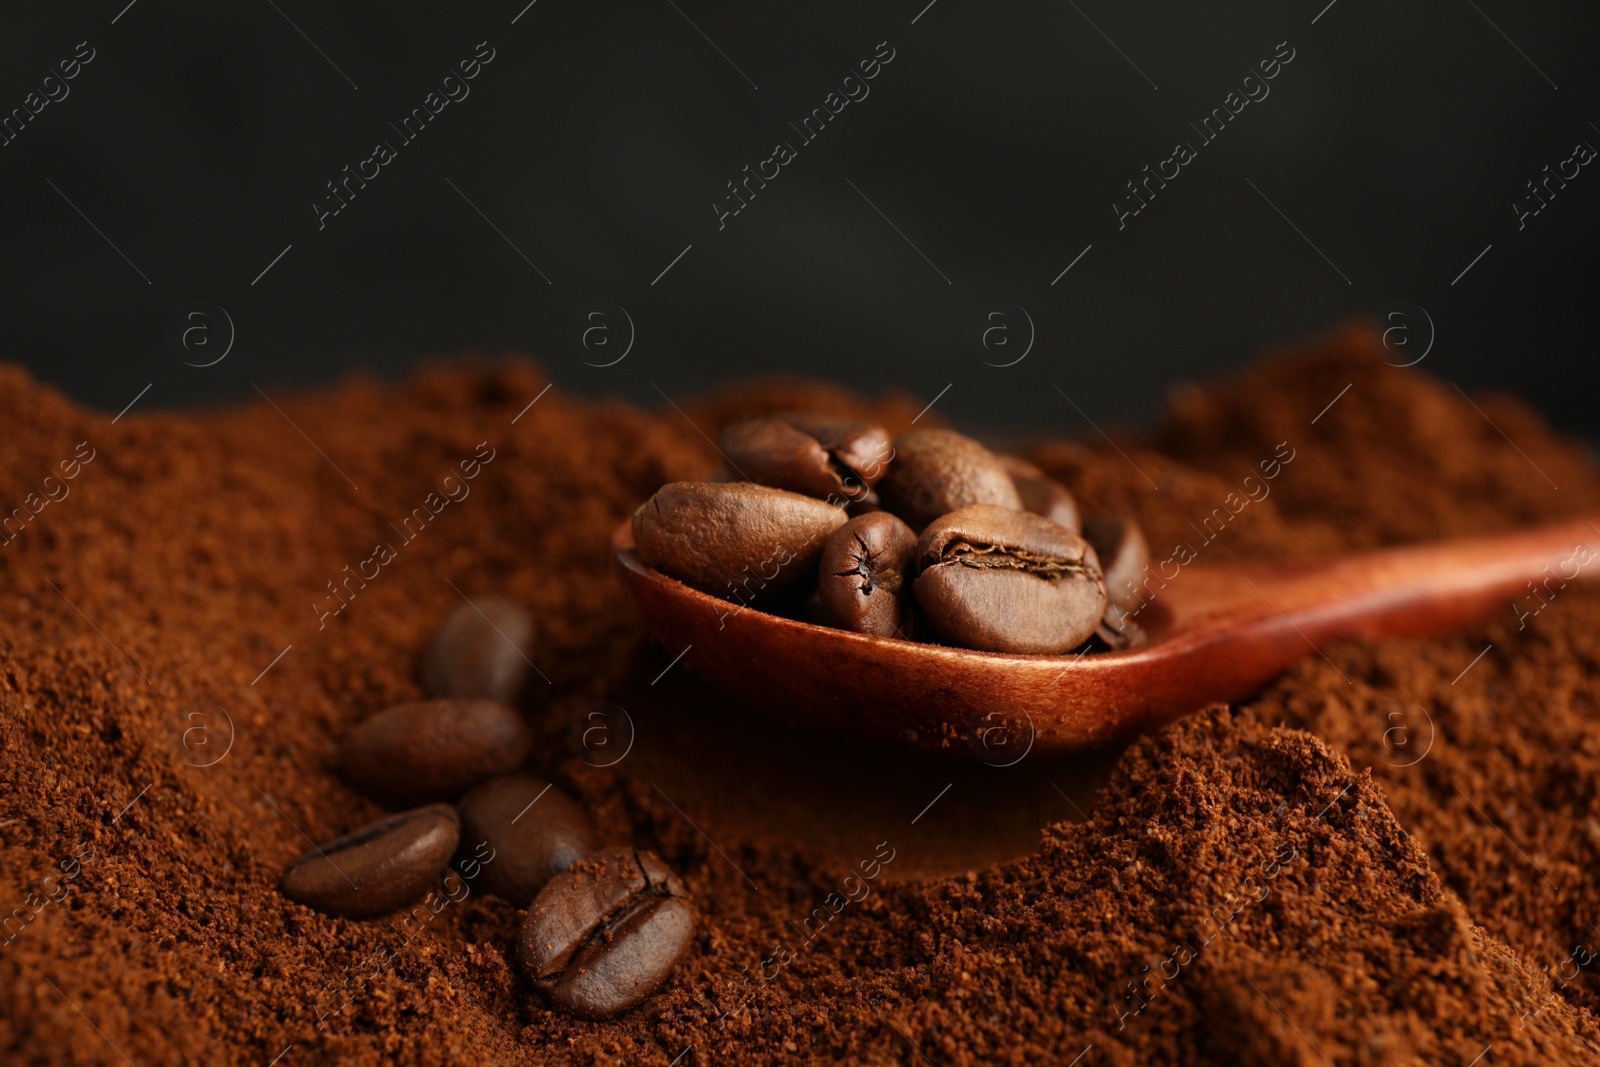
(1383, 859)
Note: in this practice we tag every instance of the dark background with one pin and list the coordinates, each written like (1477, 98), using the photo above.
(598, 138)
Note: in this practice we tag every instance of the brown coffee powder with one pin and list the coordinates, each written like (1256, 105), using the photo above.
(1381, 859)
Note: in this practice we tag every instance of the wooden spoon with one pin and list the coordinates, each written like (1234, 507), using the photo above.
(1216, 633)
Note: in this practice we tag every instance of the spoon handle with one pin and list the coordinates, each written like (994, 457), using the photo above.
(1232, 630)
(1410, 590)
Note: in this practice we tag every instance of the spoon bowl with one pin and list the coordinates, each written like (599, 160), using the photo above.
(1215, 633)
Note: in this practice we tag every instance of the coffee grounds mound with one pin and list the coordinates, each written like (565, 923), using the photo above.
(1381, 859)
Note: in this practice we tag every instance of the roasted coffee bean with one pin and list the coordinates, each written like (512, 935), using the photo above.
(482, 649)
(432, 750)
(1008, 581)
(605, 935)
(863, 448)
(1042, 494)
(823, 456)
(865, 505)
(1124, 556)
(740, 541)
(936, 472)
(377, 868)
(1118, 630)
(535, 830)
(864, 573)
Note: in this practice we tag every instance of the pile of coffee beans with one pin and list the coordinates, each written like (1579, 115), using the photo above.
(604, 927)
(928, 536)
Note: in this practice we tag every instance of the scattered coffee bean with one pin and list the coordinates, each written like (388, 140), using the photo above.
(936, 472)
(820, 455)
(739, 541)
(535, 830)
(864, 573)
(377, 868)
(1124, 555)
(482, 649)
(1042, 494)
(603, 936)
(1008, 581)
(432, 750)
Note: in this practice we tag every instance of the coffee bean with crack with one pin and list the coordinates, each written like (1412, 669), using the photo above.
(865, 573)
(1042, 494)
(532, 830)
(936, 472)
(482, 649)
(432, 749)
(1008, 581)
(603, 936)
(823, 456)
(747, 543)
(378, 868)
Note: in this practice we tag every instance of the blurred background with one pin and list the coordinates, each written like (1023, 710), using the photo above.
(959, 224)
